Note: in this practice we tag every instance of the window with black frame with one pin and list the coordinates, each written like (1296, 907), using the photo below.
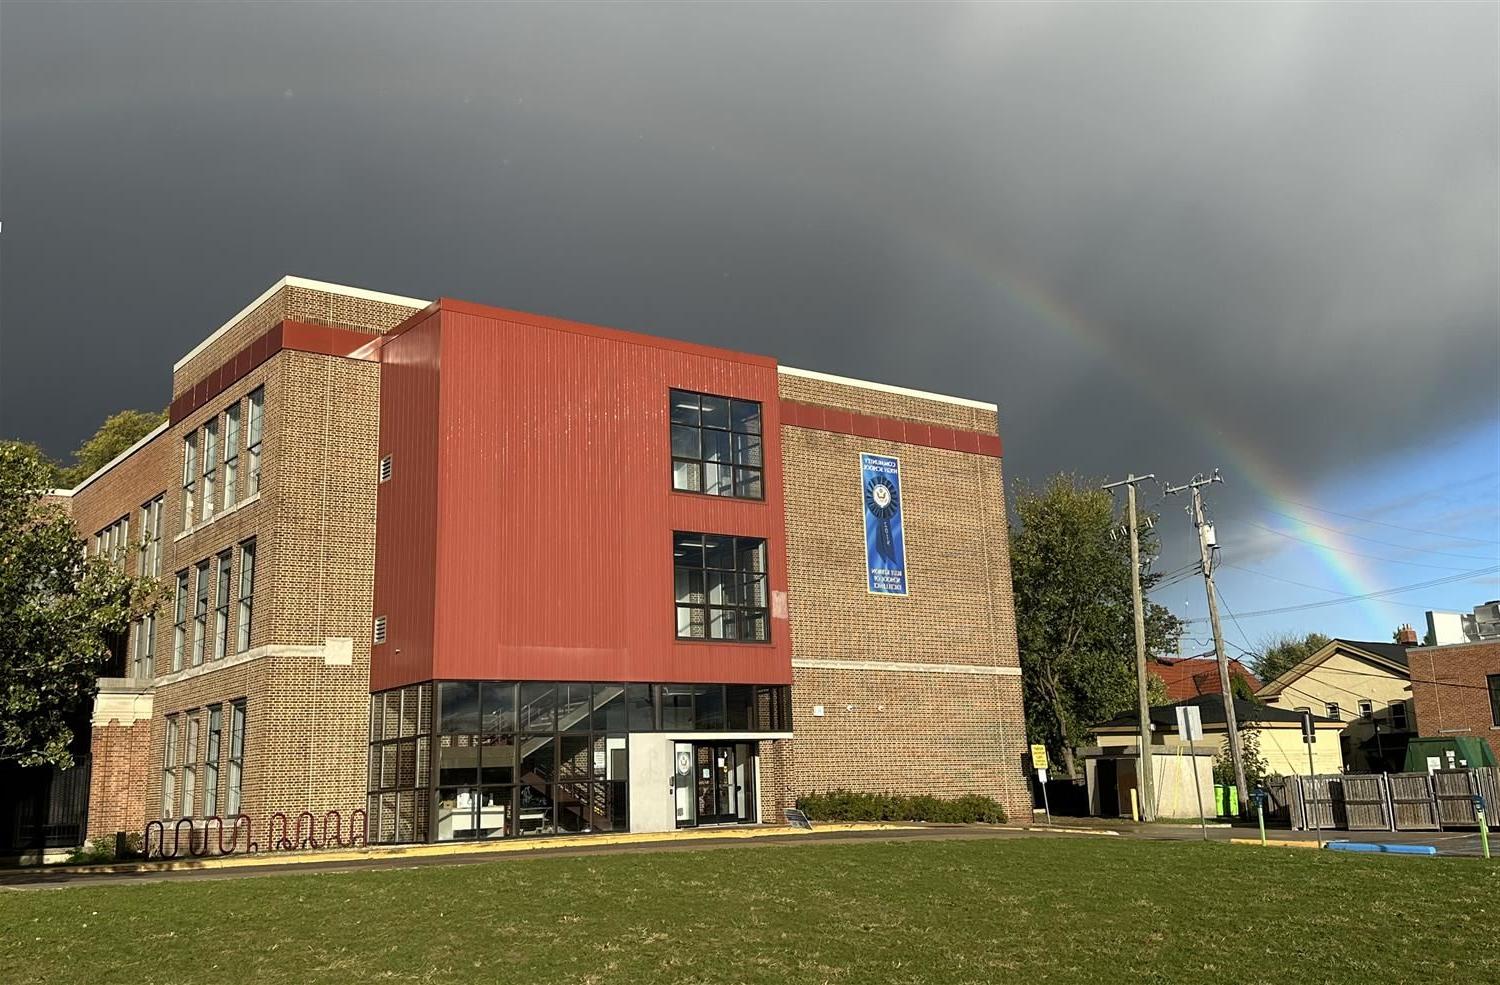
(721, 587)
(535, 758)
(716, 445)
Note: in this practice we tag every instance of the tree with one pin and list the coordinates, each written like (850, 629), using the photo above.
(57, 610)
(1075, 623)
(117, 433)
(1279, 654)
(1256, 767)
(53, 470)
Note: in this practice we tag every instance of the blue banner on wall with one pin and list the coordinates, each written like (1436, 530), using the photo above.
(885, 543)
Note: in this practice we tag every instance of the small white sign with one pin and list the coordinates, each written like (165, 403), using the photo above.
(817, 711)
(1189, 722)
(1041, 774)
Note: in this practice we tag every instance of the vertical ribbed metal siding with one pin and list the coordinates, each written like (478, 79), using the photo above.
(555, 510)
(406, 511)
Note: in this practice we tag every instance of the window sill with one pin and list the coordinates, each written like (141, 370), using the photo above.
(228, 511)
(702, 640)
(760, 500)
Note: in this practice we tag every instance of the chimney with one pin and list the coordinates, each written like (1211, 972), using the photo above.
(1406, 636)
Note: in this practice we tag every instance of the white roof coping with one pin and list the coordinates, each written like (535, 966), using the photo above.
(315, 285)
(117, 459)
(887, 388)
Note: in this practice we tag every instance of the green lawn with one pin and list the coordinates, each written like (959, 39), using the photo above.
(1017, 910)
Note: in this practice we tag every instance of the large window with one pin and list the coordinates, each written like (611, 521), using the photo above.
(170, 765)
(1494, 682)
(210, 464)
(190, 766)
(721, 587)
(150, 563)
(143, 666)
(211, 761)
(231, 454)
(179, 630)
(189, 478)
(400, 763)
(464, 760)
(253, 431)
(113, 542)
(200, 612)
(236, 756)
(716, 445)
(247, 597)
(221, 607)
(1398, 716)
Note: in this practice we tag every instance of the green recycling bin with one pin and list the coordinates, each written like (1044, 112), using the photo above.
(1227, 799)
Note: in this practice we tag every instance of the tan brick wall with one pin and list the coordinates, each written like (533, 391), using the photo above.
(294, 304)
(313, 521)
(945, 734)
(314, 528)
(1450, 690)
(883, 403)
(775, 765)
(924, 730)
(123, 490)
(121, 760)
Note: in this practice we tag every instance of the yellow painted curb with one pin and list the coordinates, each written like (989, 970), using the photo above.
(1275, 842)
(467, 848)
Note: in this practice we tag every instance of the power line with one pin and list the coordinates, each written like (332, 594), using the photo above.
(1233, 618)
(1386, 543)
(1289, 581)
(1463, 576)
(1341, 550)
(1393, 526)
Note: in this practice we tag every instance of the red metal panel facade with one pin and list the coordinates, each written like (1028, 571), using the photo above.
(406, 514)
(554, 511)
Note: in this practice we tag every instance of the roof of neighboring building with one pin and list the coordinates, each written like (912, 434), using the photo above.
(1390, 657)
(1394, 652)
(1211, 710)
(1189, 677)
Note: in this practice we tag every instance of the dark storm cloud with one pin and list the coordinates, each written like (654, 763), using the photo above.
(1277, 221)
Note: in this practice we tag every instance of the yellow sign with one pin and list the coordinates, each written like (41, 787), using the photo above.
(1038, 757)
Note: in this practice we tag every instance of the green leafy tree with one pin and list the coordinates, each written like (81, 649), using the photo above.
(1279, 654)
(57, 612)
(1256, 767)
(117, 433)
(1070, 565)
(56, 475)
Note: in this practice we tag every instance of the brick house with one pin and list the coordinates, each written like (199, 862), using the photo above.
(1457, 689)
(480, 573)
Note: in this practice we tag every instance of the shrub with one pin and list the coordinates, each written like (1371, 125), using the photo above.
(101, 851)
(846, 805)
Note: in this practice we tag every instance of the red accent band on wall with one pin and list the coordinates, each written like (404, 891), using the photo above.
(819, 418)
(294, 335)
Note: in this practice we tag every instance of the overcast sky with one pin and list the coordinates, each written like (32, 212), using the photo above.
(1161, 237)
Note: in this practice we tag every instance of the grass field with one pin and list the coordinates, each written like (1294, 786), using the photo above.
(1017, 910)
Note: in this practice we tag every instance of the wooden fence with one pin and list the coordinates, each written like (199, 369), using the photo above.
(1384, 801)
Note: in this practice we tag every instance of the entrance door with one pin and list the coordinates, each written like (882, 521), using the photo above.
(720, 787)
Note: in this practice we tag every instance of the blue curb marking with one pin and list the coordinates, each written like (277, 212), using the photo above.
(1370, 846)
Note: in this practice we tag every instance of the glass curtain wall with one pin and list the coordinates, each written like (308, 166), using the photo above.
(463, 760)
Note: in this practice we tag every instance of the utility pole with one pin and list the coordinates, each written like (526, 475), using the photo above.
(1146, 781)
(1206, 547)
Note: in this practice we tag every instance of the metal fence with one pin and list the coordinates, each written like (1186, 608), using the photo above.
(1384, 801)
(43, 807)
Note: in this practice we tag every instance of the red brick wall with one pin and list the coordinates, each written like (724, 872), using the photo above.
(121, 761)
(1449, 688)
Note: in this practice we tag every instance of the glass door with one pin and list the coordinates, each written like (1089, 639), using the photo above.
(721, 775)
